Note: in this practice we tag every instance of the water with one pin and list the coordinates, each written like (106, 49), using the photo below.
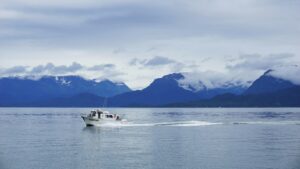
(213, 138)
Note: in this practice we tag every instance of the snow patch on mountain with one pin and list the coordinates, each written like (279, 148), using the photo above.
(63, 81)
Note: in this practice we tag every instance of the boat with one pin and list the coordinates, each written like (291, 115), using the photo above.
(99, 117)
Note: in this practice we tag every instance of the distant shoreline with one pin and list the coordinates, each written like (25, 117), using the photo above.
(139, 107)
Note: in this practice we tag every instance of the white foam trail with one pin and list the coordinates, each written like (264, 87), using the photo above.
(177, 123)
(270, 122)
(195, 123)
(192, 123)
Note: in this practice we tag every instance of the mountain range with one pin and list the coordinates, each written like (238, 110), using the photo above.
(25, 91)
(75, 91)
(289, 97)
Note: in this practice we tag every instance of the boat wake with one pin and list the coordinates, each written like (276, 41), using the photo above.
(267, 123)
(195, 123)
(177, 123)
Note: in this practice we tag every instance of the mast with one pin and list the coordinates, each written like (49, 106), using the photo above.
(105, 102)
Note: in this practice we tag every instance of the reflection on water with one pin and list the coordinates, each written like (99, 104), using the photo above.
(153, 138)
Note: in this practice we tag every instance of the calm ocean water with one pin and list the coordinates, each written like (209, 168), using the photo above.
(213, 138)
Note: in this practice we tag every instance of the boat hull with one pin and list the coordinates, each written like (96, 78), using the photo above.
(98, 122)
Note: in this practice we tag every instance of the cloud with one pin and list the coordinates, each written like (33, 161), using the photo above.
(101, 67)
(134, 21)
(14, 70)
(136, 61)
(119, 50)
(106, 71)
(50, 68)
(42, 68)
(198, 81)
(243, 70)
(290, 73)
(259, 62)
(111, 75)
(115, 31)
(154, 61)
(159, 60)
(74, 67)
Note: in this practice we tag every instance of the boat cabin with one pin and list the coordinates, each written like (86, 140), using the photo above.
(98, 114)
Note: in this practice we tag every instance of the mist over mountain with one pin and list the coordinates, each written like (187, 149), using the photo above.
(163, 90)
(275, 88)
(276, 79)
(268, 83)
(172, 89)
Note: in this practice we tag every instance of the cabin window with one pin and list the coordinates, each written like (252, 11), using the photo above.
(109, 116)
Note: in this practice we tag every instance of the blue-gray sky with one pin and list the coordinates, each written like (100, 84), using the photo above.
(135, 41)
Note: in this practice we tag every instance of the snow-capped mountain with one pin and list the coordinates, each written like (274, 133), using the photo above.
(276, 79)
(31, 89)
(211, 84)
(170, 89)
(210, 90)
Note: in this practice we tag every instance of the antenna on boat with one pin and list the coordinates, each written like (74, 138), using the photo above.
(104, 102)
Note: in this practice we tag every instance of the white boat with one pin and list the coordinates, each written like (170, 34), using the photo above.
(99, 117)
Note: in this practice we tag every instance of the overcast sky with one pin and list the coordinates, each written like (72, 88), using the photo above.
(135, 41)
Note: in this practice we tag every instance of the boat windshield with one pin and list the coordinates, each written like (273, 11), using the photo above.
(109, 116)
(93, 113)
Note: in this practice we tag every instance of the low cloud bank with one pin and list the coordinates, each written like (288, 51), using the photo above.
(152, 62)
(240, 74)
(198, 81)
(210, 80)
(51, 69)
(290, 73)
